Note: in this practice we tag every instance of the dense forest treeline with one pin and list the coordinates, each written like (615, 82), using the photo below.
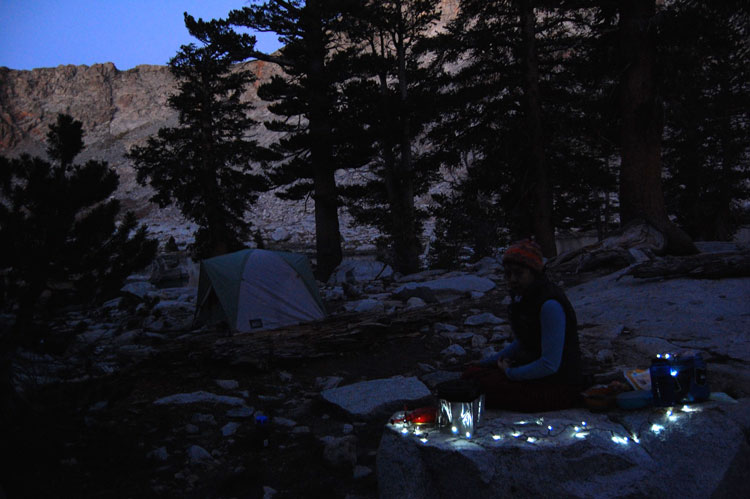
(558, 114)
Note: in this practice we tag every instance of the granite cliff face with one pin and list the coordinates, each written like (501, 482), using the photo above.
(120, 109)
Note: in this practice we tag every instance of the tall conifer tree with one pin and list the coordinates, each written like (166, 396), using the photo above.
(58, 227)
(204, 166)
(707, 97)
(316, 131)
(515, 117)
(392, 88)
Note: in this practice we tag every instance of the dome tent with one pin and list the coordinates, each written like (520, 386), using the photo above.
(256, 289)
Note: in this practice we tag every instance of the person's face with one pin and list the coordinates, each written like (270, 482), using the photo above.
(519, 277)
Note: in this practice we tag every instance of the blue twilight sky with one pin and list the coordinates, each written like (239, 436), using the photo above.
(47, 33)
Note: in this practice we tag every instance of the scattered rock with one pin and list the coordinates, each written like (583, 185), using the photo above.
(366, 305)
(454, 350)
(280, 235)
(483, 320)
(415, 302)
(138, 290)
(240, 412)
(199, 455)
(227, 384)
(159, 454)
(203, 419)
(442, 327)
(340, 451)
(229, 429)
(478, 341)
(357, 271)
(284, 422)
(199, 397)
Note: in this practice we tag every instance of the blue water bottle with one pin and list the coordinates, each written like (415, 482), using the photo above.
(699, 389)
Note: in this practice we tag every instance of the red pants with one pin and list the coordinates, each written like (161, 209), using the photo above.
(524, 396)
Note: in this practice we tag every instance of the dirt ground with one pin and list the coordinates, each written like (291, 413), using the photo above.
(93, 438)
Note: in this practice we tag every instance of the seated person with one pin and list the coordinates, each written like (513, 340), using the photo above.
(541, 369)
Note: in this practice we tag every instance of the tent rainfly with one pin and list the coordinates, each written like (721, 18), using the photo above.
(257, 289)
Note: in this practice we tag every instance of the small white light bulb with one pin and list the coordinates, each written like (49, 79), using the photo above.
(619, 440)
(454, 429)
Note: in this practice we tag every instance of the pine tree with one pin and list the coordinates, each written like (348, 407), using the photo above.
(392, 88)
(204, 166)
(516, 98)
(707, 95)
(316, 128)
(57, 224)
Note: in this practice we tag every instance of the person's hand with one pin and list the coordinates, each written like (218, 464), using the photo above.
(503, 364)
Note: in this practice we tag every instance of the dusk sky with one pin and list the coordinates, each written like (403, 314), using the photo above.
(47, 33)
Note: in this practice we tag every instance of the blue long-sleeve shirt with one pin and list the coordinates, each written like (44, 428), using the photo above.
(552, 318)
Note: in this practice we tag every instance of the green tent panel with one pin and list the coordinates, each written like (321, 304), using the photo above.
(258, 289)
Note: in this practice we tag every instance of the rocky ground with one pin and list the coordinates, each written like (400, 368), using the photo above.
(129, 400)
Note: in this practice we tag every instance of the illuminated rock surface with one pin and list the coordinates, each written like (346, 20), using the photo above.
(697, 452)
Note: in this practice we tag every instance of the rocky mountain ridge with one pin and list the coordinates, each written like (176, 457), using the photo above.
(121, 109)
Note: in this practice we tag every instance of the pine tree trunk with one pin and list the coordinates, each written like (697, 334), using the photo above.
(541, 189)
(641, 196)
(406, 243)
(327, 233)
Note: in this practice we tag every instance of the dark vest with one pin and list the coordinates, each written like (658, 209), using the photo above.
(527, 328)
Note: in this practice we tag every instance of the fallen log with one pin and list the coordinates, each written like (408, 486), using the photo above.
(700, 266)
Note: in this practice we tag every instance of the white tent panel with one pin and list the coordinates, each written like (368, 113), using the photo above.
(272, 295)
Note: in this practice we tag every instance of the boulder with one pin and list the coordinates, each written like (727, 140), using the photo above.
(169, 269)
(627, 454)
(357, 271)
(377, 397)
(138, 289)
(689, 314)
(171, 315)
(449, 288)
(366, 305)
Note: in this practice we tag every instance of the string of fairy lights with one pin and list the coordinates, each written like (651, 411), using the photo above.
(537, 430)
